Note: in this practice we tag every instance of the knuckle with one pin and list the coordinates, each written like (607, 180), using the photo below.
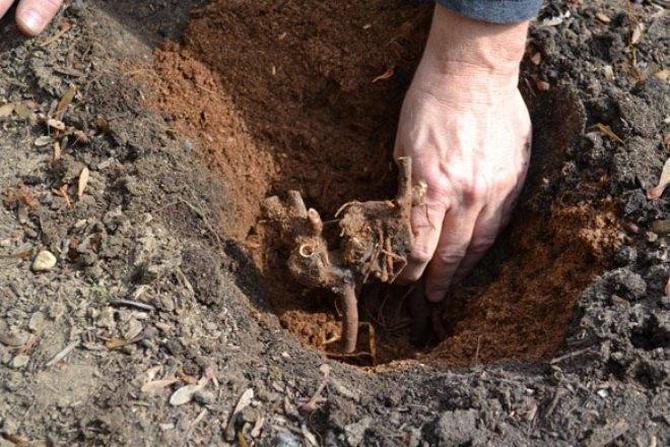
(451, 256)
(420, 255)
(482, 244)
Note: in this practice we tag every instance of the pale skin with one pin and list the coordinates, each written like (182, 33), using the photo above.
(465, 126)
(32, 16)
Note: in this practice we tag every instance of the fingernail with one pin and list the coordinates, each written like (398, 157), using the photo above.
(32, 21)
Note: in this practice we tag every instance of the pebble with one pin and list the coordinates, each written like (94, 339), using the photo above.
(36, 322)
(20, 361)
(44, 261)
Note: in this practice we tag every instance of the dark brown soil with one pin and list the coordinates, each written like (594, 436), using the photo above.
(293, 103)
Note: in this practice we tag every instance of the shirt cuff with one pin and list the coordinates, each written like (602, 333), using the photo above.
(495, 11)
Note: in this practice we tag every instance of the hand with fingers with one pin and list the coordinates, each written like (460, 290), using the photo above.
(467, 129)
(32, 16)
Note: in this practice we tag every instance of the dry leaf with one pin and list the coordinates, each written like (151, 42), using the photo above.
(386, 75)
(667, 288)
(65, 101)
(663, 75)
(609, 72)
(56, 153)
(637, 34)
(243, 402)
(536, 58)
(42, 141)
(603, 17)
(116, 343)
(609, 133)
(56, 124)
(156, 386)
(657, 191)
(83, 181)
(6, 110)
(184, 395)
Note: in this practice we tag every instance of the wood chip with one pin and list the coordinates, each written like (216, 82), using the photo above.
(609, 72)
(386, 75)
(42, 141)
(637, 33)
(56, 124)
(243, 402)
(65, 101)
(536, 58)
(663, 75)
(184, 394)
(6, 110)
(603, 17)
(156, 386)
(56, 152)
(84, 175)
(657, 191)
(61, 355)
(608, 132)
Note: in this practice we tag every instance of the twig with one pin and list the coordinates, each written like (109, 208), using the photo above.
(570, 355)
(61, 355)
(129, 303)
(311, 404)
(479, 342)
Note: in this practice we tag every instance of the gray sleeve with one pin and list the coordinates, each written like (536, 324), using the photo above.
(496, 11)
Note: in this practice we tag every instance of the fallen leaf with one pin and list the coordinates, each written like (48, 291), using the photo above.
(56, 152)
(42, 141)
(116, 343)
(243, 402)
(184, 395)
(386, 75)
(6, 110)
(637, 34)
(156, 386)
(83, 181)
(663, 75)
(609, 133)
(536, 58)
(603, 17)
(56, 124)
(657, 191)
(667, 288)
(65, 101)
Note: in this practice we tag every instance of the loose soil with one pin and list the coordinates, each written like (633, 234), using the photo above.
(166, 273)
(294, 102)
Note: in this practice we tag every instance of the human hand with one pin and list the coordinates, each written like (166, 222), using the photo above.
(32, 16)
(467, 129)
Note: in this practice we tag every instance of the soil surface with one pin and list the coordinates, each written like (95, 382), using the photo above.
(138, 141)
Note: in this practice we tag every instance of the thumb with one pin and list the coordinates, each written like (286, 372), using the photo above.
(32, 16)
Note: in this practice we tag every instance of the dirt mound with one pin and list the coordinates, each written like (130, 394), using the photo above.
(297, 97)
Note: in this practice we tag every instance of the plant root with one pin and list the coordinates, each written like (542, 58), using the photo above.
(374, 242)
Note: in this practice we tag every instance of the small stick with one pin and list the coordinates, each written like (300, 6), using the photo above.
(350, 319)
(129, 303)
(61, 355)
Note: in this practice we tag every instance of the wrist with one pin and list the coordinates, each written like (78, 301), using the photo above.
(472, 59)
